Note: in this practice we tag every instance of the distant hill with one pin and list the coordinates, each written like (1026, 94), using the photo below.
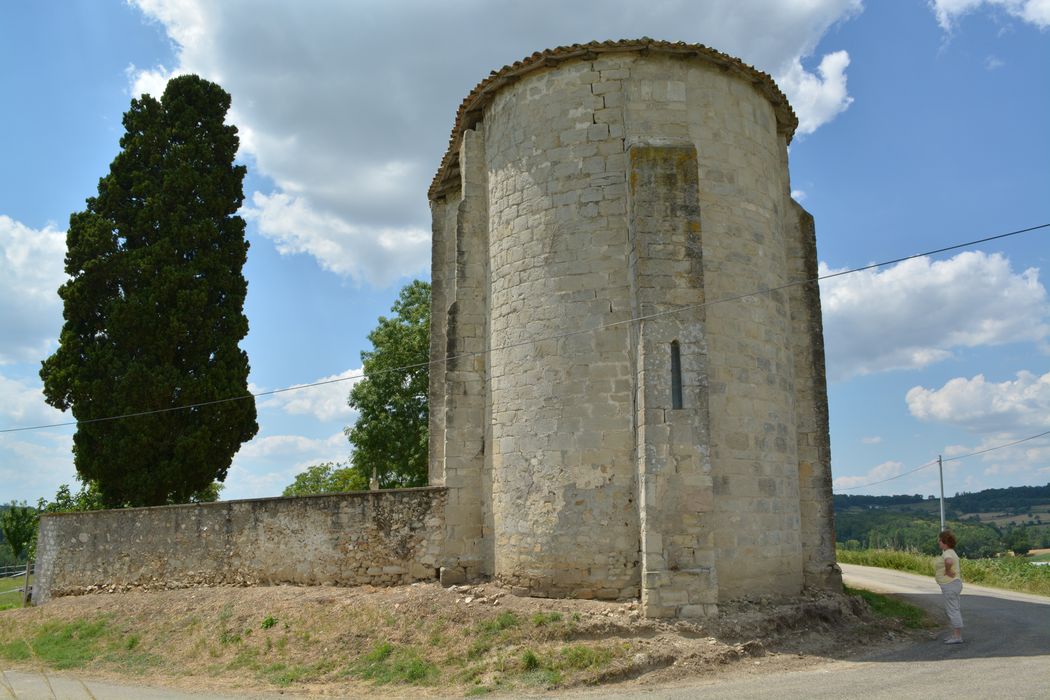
(1015, 499)
(986, 523)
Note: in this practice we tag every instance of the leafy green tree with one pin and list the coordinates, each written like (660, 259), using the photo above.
(1017, 541)
(154, 306)
(327, 477)
(18, 523)
(390, 436)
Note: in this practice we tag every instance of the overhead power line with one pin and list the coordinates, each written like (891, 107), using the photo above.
(558, 336)
(948, 459)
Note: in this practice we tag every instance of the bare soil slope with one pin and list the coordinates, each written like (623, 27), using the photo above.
(419, 640)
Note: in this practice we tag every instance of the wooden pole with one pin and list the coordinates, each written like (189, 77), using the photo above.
(25, 586)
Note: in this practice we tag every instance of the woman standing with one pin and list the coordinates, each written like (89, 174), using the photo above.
(949, 577)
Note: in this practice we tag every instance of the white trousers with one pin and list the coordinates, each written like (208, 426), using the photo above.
(952, 593)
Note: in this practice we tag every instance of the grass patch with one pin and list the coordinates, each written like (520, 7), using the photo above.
(542, 619)
(909, 615)
(387, 664)
(11, 597)
(1011, 573)
(66, 645)
(284, 675)
(581, 656)
(503, 621)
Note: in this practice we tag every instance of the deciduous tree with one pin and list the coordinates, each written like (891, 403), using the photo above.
(18, 523)
(390, 436)
(327, 477)
(154, 306)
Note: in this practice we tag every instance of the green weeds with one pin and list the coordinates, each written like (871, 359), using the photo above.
(909, 615)
(387, 664)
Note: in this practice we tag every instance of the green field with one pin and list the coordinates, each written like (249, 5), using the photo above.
(11, 593)
(1011, 573)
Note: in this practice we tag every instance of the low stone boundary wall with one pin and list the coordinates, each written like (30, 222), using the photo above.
(375, 537)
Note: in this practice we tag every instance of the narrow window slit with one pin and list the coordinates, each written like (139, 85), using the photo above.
(676, 375)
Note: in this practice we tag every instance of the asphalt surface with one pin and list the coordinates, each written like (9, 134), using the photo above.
(1006, 654)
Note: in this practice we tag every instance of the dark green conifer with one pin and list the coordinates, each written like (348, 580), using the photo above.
(154, 306)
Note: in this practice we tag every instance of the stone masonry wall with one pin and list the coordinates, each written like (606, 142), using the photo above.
(564, 487)
(619, 185)
(378, 538)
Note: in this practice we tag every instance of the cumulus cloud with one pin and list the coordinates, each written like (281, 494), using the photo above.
(1001, 415)
(24, 404)
(817, 99)
(886, 470)
(1008, 407)
(326, 402)
(31, 271)
(33, 465)
(266, 465)
(347, 107)
(920, 311)
(1034, 12)
(378, 255)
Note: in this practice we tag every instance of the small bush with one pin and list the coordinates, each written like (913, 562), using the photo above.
(529, 660)
(268, 622)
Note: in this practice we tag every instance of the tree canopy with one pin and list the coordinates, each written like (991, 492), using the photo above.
(154, 306)
(390, 435)
(327, 477)
(18, 523)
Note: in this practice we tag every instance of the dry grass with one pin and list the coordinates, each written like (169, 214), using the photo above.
(354, 641)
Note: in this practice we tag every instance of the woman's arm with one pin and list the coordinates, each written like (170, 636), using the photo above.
(949, 567)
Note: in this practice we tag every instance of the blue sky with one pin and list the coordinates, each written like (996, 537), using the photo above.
(923, 124)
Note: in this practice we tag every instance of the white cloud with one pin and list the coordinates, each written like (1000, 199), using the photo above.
(999, 414)
(817, 100)
(1011, 407)
(266, 465)
(33, 465)
(347, 106)
(326, 402)
(374, 254)
(31, 271)
(1034, 12)
(919, 312)
(873, 440)
(886, 470)
(23, 405)
(798, 195)
(993, 62)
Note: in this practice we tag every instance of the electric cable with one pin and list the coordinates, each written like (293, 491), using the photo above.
(949, 459)
(559, 336)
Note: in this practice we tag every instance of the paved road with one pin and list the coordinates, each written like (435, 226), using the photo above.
(1006, 655)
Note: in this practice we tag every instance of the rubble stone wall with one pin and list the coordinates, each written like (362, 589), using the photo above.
(377, 537)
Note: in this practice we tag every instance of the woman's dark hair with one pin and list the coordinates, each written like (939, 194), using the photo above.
(947, 538)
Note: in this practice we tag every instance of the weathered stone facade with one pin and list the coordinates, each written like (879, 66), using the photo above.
(377, 537)
(683, 457)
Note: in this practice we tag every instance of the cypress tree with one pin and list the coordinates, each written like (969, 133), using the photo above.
(154, 306)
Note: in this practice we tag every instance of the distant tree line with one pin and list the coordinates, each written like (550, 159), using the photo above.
(1014, 499)
(912, 522)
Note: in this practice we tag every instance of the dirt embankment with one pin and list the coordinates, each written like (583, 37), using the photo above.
(420, 639)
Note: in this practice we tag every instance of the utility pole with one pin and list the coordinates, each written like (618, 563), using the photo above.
(940, 468)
